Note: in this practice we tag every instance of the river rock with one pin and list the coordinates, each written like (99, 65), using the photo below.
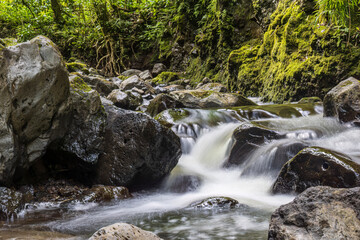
(125, 100)
(145, 75)
(318, 213)
(317, 167)
(158, 68)
(209, 99)
(11, 203)
(34, 87)
(246, 139)
(162, 102)
(216, 87)
(100, 84)
(216, 202)
(174, 87)
(122, 231)
(131, 72)
(343, 101)
(136, 82)
(138, 150)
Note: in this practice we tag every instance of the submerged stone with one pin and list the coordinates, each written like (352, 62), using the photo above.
(317, 167)
(216, 202)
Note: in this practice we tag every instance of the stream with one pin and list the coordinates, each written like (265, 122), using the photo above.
(206, 142)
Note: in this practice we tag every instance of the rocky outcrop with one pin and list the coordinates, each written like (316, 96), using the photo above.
(209, 99)
(343, 101)
(123, 231)
(138, 150)
(34, 87)
(317, 167)
(318, 213)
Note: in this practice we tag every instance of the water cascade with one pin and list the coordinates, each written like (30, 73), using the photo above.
(206, 141)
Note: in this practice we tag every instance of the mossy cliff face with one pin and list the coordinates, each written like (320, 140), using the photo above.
(297, 57)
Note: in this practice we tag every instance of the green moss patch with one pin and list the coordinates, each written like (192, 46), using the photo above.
(166, 77)
(296, 58)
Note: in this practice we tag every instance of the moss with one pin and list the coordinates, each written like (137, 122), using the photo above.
(201, 93)
(79, 86)
(280, 110)
(77, 66)
(296, 58)
(169, 117)
(166, 77)
(311, 100)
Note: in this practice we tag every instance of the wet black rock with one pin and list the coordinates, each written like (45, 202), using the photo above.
(317, 167)
(246, 139)
(138, 150)
(318, 213)
(216, 202)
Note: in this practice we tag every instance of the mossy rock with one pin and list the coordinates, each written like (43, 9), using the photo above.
(166, 77)
(276, 110)
(311, 100)
(78, 84)
(171, 116)
(209, 99)
(162, 102)
(296, 58)
(77, 66)
(316, 166)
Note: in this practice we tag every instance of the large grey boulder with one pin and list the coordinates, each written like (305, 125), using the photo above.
(122, 231)
(343, 101)
(209, 99)
(138, 150)
(316, 166)
(318, 213)
(34, 87)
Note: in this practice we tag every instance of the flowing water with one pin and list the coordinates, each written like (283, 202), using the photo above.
(199, 174)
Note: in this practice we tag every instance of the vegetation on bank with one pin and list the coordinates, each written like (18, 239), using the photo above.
(280, 50)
